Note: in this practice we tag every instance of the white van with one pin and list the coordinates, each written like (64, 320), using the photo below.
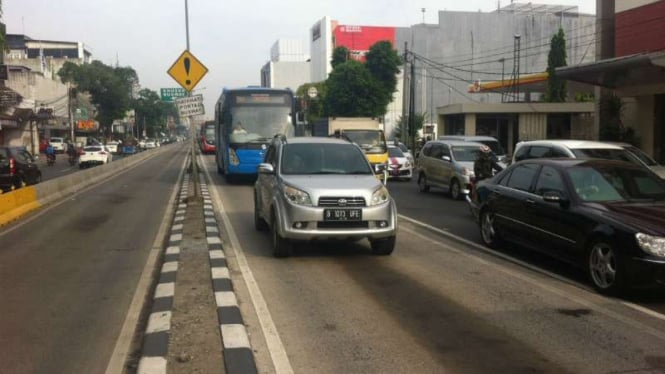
(58, 144)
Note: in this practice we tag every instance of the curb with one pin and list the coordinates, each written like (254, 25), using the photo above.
(237, 351)
(156, 339)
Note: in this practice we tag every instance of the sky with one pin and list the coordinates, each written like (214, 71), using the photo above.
(232, 38)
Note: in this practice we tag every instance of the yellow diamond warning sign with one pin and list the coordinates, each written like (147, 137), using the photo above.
(187, 70)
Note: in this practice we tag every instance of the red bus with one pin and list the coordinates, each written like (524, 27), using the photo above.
(207, 137)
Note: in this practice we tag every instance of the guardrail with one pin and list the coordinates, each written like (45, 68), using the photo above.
(18, 203)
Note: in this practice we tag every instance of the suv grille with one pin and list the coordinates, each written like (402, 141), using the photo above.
(341, 201)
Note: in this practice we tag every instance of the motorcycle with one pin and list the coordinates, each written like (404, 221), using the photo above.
(72, 159)
(50, 160)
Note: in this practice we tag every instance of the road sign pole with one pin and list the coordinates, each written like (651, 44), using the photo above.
(195, 169)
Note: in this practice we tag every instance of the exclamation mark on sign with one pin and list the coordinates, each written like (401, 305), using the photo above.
(187, 65)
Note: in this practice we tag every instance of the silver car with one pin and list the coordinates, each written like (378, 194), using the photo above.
(311, 188)
(447, 164)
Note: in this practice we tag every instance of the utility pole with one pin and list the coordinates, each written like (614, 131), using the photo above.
(403, 127)
(412, 104)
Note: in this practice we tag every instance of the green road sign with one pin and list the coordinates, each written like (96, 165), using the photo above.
(170, 94)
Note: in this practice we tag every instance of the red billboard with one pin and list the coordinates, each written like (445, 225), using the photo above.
(358, 39)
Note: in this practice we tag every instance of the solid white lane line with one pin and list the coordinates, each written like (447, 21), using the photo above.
(591, 300)
(226, 298)
(234, 336)
(273, 341)
(118, 358)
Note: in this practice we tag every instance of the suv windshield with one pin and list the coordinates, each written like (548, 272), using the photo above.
(323, 159)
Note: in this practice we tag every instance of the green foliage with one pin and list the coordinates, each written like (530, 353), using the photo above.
(315, 107)
(363, 90)
(109, 87)
(383, 64)
(340, 55)
(613, 128)
(556, 87)
(352, 92)
(418, 122)
(151, 111)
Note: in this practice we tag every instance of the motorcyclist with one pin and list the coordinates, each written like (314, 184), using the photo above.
(50, 152)
(71, 151)
(485, 164)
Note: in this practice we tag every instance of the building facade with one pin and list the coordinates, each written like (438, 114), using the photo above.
(288, 66)
(630, 65)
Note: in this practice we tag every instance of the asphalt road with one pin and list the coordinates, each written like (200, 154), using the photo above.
(435, 305)
(61, 166)
(69, 272)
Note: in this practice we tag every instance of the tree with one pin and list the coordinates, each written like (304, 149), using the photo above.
(556, 87)
(340, 55)
(352, 92)
(151, 112)
(418, 122)
(315, 106)
(109, 87)
(383, 64)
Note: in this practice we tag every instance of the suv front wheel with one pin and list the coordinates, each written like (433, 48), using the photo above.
(383, 247)
(280, 247)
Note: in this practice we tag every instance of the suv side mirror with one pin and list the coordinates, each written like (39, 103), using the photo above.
(265, 168)
(446, 158)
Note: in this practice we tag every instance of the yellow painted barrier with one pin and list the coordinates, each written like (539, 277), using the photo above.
(17, 203)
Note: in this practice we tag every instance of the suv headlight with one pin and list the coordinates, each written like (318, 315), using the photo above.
(654, 245)
(380, 196)
(297, 196)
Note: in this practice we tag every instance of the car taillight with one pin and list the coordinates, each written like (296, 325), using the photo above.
(12, 166)
(102, 153)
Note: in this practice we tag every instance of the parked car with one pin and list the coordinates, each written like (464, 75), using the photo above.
(447, 164)
(489, 141)
(94, 155)
(644, 158)
(315, 188)
(58, 144)
(571, 149)
(150, 144)
(113, 146)
(399, 165)
(142, 144)
(17, 168)
(605, 216)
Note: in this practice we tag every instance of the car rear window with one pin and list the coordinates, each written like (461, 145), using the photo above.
(92, 149)
(395, 152)
(605, 153)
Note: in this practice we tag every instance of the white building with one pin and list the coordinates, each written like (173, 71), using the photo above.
(288, 66)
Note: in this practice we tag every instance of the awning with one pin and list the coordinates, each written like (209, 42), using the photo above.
(535, 82)
(619, 72)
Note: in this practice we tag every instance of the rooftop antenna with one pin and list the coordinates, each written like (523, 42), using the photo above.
(117, 60)
(423, 10)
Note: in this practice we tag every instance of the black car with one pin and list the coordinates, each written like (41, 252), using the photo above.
(606, 216)
(17, 168)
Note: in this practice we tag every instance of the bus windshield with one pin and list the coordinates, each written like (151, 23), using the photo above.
(252, 125)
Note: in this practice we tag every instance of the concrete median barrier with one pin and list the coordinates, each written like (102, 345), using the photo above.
(17, 203)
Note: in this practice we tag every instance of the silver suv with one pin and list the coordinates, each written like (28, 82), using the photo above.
(311, 188)
(447, 164)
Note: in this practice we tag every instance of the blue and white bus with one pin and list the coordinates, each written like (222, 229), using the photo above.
(246, 120)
